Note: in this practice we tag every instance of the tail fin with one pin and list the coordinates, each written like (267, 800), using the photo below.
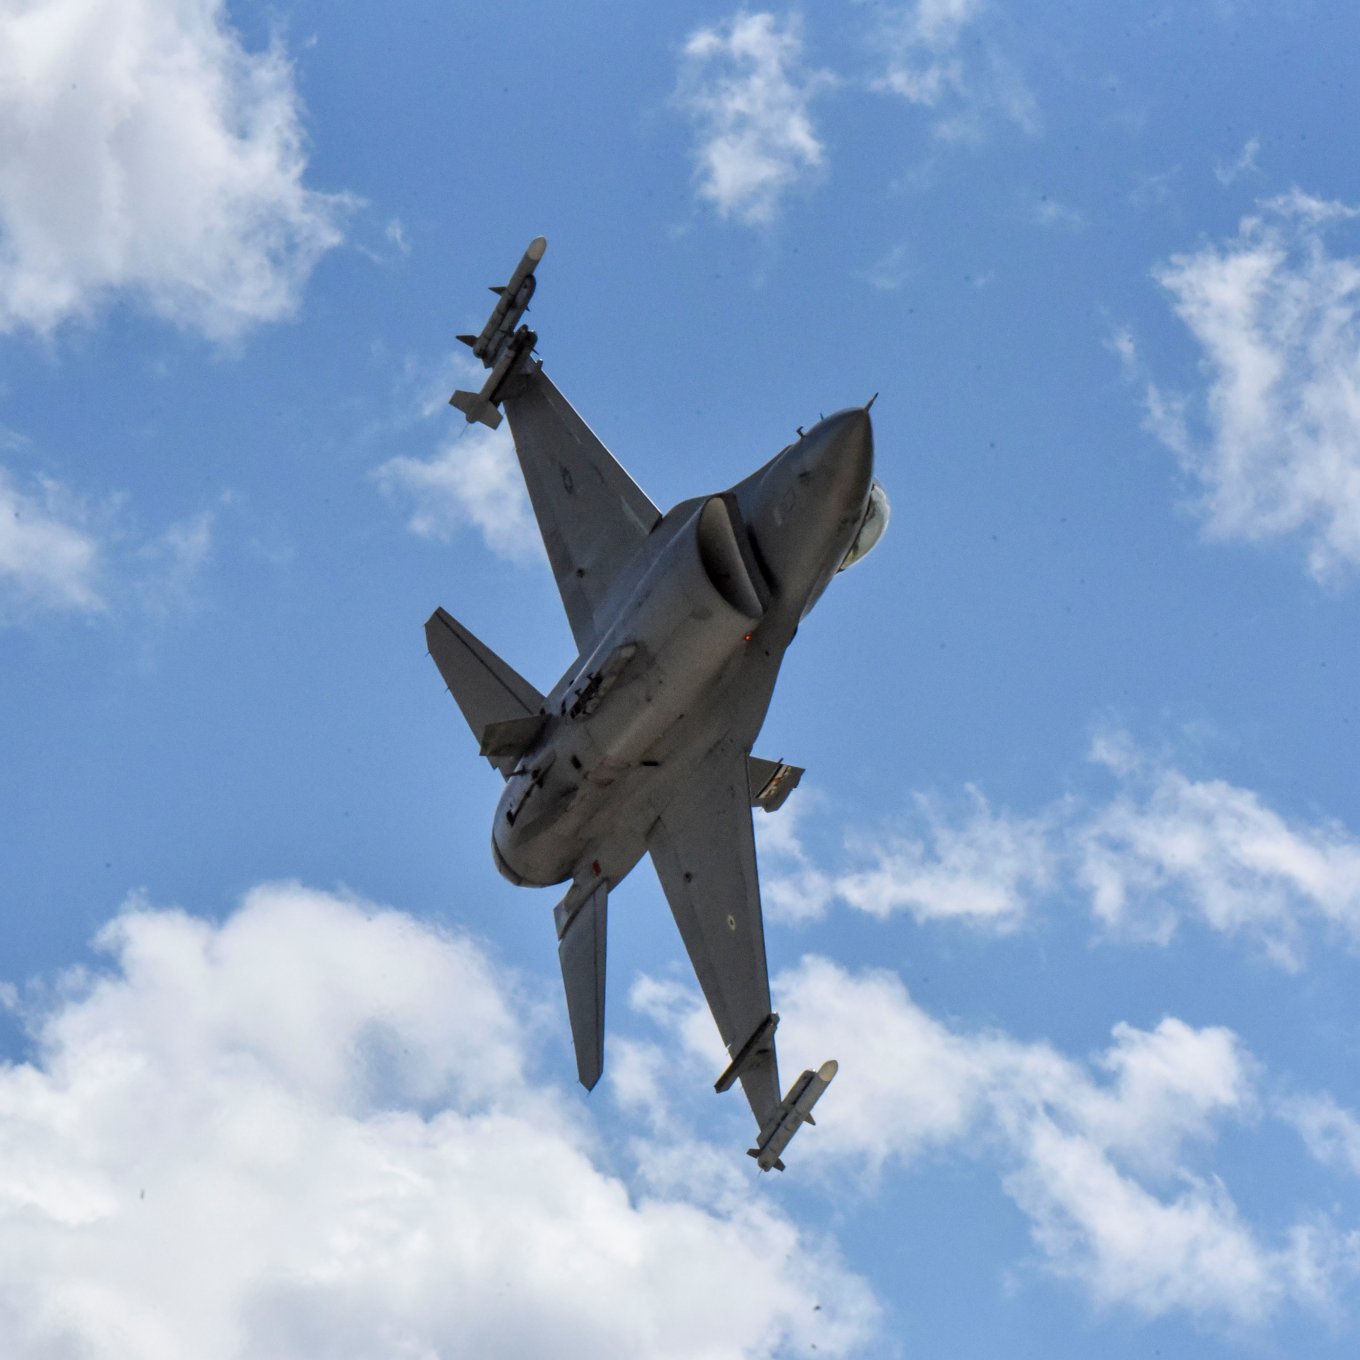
(490, 693)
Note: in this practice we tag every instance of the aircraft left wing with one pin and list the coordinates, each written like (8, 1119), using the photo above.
(703, 847)
(592, 515)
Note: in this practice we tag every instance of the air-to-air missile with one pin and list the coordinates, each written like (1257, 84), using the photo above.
(499, 346)
(794, 1111)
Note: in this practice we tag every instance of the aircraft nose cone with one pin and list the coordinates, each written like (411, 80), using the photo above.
(842, 447)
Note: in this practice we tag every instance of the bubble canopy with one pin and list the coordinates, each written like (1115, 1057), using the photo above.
(876, 515)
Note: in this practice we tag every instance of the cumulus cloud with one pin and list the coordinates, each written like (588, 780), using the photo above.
(1273, 436)
(1109, 1159)
(749, 94)
(1164, 849)
(311, 1128)
(144, 152)
(49, 557)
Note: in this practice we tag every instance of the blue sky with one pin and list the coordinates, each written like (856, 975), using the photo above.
(1072, 886)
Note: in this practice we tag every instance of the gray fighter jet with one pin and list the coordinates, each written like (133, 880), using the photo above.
(644, 745)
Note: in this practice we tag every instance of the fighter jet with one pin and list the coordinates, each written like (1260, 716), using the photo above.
(643, 747)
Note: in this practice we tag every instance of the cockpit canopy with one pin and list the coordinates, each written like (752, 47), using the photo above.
(871, 528)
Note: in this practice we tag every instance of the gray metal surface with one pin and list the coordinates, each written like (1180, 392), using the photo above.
(592, 515)
(581, 952)
(703, 847)
(486, 689)
(643, 745)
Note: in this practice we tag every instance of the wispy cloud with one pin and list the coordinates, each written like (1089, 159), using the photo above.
(68, 552)
(1109, 1159)
(1244, 163)
(1050, 212)
(65, 552)
(170, 563)
(745, 86)
(1169, 847)
(1331, 1133)
(939, 55)
(336, 1100)
(473, 481)
(49, 554)
(968, 863)
(144, 152)
(1164, 850)
(1273, 437)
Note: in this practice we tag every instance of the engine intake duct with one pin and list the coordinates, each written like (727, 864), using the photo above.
(725, 551)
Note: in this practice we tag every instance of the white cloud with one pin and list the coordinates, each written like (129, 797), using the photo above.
(929, 63)
(310, 1129)
(1163, 849)
(1331, 1133)
(49, 557)
(1243, 164)
(1050, 212)
(982, 868)
(474, 480)
(1109, 1159)
(63, 552)
(172, 561)
(144, 151)
(1168, 846)
(1106, 1159)
(1274, 437)
(744, 85)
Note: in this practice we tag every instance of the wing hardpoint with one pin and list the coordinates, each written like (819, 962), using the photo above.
(591, 513)
(703, 847)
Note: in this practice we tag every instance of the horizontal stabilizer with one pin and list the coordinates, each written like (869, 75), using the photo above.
(486, 689)
(581, 922)
(771, 782)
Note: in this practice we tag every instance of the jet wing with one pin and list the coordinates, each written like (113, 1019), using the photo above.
(704, 850)
(591, 513)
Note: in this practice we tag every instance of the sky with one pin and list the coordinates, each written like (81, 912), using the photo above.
(1071, 888)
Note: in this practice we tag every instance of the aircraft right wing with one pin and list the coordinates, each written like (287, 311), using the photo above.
(703, 847)
(591, 513)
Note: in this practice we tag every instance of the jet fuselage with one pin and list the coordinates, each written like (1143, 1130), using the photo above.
(699, 625)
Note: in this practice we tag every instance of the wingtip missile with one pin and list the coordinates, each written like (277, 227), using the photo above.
(512, 299)
(793, 1112)
(500, 346)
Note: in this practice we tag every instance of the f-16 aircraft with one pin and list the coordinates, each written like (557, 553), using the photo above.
(644, 746)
